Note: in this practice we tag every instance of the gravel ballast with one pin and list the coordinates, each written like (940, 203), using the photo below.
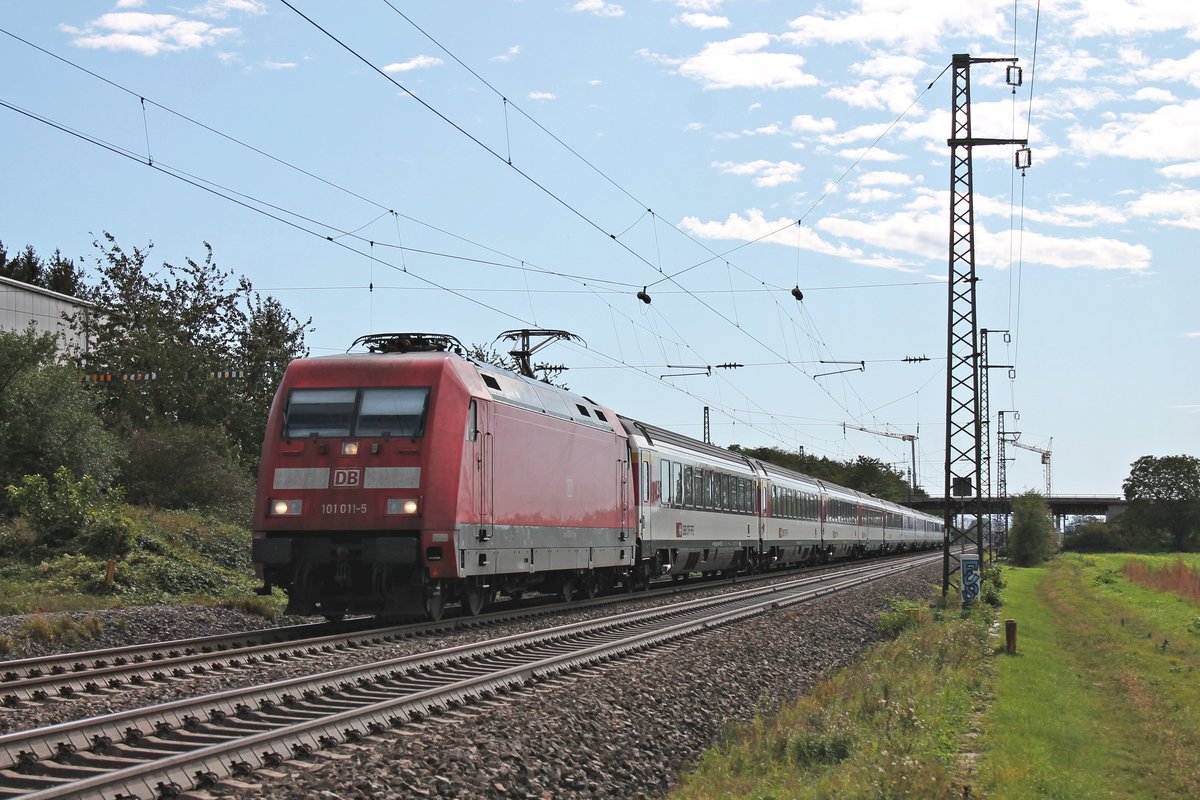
(625, 729)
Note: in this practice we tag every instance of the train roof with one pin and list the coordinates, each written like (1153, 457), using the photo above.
(503, 386)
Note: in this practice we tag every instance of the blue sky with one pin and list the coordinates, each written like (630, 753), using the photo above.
(474, 167)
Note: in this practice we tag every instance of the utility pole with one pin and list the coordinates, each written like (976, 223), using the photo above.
(986, 423)
(963, 423)
(1002, 438)
(905, 437)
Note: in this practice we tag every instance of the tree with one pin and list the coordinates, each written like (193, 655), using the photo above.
(215, 348)
(59, 275)
(1164, 501)
(1029, 539)
(863, 474)
(48, 419)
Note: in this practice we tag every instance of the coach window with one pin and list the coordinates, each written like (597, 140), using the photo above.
(677, 479)
(645, 473)
(687, 486)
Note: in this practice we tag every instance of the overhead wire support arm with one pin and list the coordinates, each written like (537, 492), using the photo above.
(904, 437)
(862, 367)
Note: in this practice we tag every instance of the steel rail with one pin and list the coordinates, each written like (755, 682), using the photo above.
(95, 672)
(497, 668)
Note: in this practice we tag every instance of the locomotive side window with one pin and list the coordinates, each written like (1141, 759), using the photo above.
(472, 421)
(645, 475)
(320, 412)
(397, 412)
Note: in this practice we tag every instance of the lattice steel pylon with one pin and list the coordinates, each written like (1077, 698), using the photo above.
(985, 430)
(963, 420)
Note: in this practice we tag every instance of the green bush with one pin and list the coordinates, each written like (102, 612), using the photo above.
(68, 515)
(903, 615)
(178, 466)
(1096, 537)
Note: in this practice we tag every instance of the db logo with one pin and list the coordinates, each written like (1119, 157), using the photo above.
(347, 478)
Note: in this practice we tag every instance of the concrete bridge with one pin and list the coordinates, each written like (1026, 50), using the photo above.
(1107, 507)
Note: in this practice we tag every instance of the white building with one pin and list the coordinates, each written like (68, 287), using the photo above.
(20, 303)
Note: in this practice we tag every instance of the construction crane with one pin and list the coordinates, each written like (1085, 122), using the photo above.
(905, 437)
(1045, 458)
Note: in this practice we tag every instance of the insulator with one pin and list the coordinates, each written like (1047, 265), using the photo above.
(796, 293)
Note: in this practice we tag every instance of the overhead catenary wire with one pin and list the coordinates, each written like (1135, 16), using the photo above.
(231, 195)
(542, 187)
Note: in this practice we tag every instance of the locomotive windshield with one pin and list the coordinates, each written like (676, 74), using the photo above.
(356, 412)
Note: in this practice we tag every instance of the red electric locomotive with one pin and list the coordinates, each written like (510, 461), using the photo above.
(397, 480)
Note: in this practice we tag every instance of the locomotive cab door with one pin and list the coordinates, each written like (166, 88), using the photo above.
(484, 453)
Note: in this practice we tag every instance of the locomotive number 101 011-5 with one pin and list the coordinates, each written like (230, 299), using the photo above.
(343, 508)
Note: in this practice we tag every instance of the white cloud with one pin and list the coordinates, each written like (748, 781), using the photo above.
(1175, 207)
(416, 62)
(1174, 69)
(885, 178)
(805, 123)
(704, 22)
(599, 8)
(511, 53)
(1195, 335)
(739, 63)
(698, 5)
(765, 173)
(1190, 169)
(279, 65)
(1169, 133)
(220, 9)
(923, 234)
(753, 226)
(869, 154)
(894, 94)
(124, 4)
(1057, 63)
(865, 196)
(907, 26)
(1153, 94)
(1127, 19)
(891, 65)
(542, 96)
(147, 34)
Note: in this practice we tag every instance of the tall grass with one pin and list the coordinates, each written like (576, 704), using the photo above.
(1176, 577)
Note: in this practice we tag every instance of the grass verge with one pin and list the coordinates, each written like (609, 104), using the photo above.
(1102, 699)
(890, 726)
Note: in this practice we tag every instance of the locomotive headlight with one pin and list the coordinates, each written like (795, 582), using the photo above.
(349, 448)
(408, 507)
(286, 508)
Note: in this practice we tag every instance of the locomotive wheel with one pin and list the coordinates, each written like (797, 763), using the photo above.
(474, 598)
(590, 585)
(435, 602)
(566, 588)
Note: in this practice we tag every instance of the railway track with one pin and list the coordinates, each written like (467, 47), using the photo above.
(161, 750)
(97, 672)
